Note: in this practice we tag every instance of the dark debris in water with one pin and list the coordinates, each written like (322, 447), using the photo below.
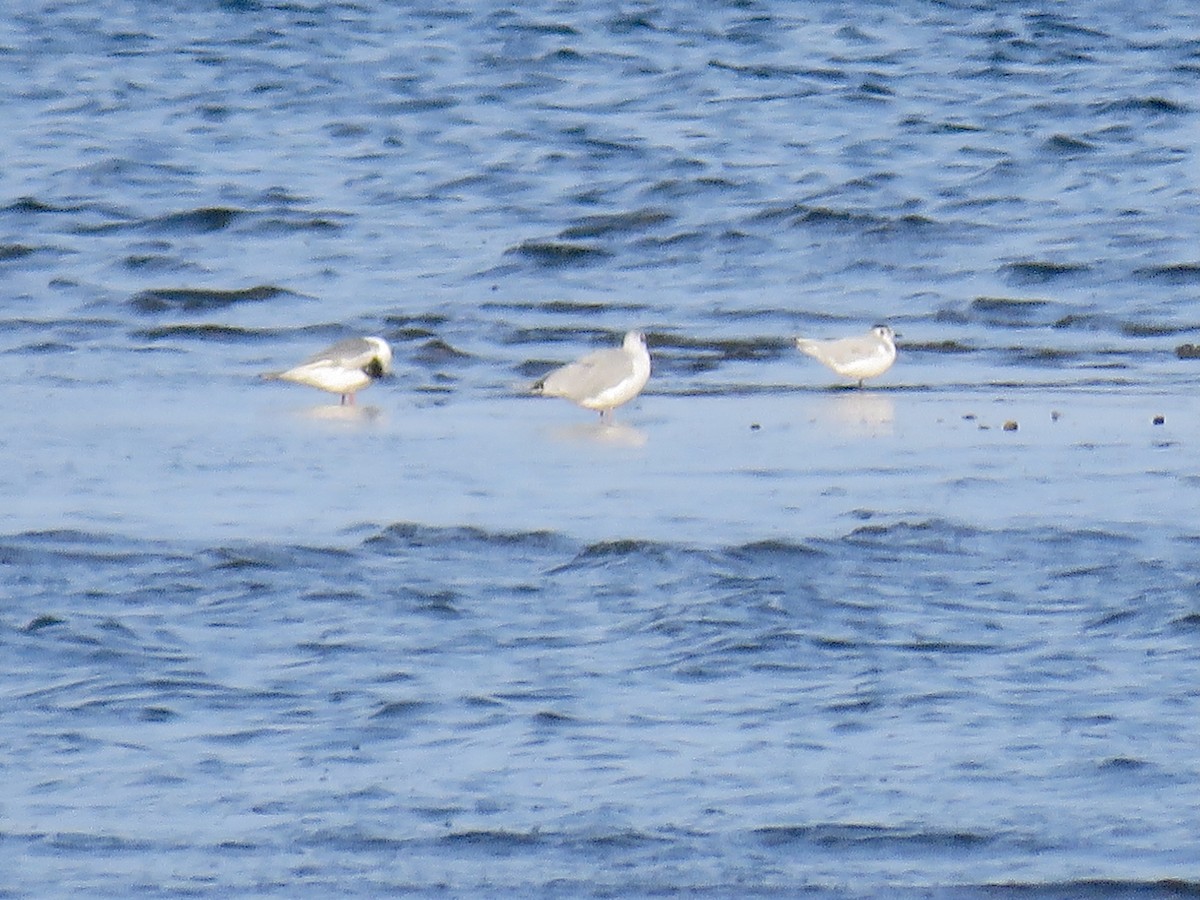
(1188, 351)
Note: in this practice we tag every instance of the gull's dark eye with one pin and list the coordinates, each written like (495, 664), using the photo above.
(374, 368)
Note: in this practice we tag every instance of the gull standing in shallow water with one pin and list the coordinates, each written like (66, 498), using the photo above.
(857, 358)
(344, 368)
(602, 380)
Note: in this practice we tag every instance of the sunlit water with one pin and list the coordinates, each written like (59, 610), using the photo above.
(938, 637)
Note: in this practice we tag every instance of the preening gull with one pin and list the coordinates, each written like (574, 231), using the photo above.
(343, 368)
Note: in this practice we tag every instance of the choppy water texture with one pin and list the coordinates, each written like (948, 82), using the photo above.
(935, 638)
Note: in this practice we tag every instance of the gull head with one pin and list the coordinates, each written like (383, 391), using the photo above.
(380, 364)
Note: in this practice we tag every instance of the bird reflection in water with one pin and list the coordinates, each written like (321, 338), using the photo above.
(350, 415)
(614, 434)
(857, 413)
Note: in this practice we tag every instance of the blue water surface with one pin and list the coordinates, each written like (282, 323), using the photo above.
(762, 637)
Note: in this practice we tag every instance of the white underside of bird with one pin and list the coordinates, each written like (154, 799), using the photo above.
(602, 380)
(861, 357)
(343, 368)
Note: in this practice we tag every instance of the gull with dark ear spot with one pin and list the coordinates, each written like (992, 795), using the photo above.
(343, 368)
(602, 380)
(857, 358)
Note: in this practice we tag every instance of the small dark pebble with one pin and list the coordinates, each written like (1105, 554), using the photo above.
(1055, 415)
(1010, 425)
(754, 426)
(1188, 351)
(969, 417)
(1160, 420)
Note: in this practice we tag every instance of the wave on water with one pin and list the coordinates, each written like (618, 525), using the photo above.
(540, 702)
(1028, 272)
(924, 561)
(928, 534)
(161, 300)
(1172, 273)
(15, 251)
(205, 332)
(615, 223)
(557, 254)
(192, 193)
